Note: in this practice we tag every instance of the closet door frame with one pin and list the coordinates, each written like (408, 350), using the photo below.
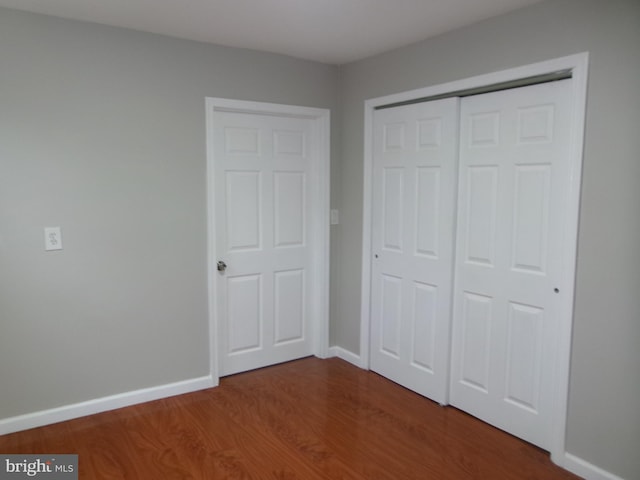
(577, 65)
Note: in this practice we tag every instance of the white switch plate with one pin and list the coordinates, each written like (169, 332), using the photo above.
(52, 238)
(335, 217)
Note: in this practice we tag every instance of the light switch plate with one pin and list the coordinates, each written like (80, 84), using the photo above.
(335, 217)
(52, 238)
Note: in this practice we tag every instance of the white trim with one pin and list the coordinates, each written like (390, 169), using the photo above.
(578, 64)
(320, 228)
(211, 258)
(586, 470)
(569, 255)
(112, 402)
(346, 355)
(367, 227)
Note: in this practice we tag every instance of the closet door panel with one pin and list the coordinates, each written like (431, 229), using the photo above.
(513, 155)
(414, 176)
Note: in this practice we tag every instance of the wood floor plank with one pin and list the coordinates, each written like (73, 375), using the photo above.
(310, 419)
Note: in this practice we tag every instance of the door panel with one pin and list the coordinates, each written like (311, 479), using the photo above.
(290, 214)
(531, 218)
(243, 216)
(476, 338)
(290, 306)
(512, 206)
(480, 231)
(263, 164)
(393, 206)
(425, 312)
(244, 299)
(414, 175)
(427, 219)
(524, 350)
(391, 306)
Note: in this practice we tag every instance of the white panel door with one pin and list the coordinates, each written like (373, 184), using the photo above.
(414, 177)
(512, 202)
(263, 170)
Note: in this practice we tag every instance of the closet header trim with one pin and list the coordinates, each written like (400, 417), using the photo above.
(521, 82)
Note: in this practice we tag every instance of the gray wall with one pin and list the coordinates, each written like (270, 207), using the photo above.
(603, 418)
(102, 132)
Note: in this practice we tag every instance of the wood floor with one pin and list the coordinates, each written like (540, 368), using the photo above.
(309, 419)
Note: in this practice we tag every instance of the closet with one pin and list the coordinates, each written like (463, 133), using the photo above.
(469, 200)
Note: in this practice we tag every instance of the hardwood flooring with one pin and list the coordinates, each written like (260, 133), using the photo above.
(309, 419)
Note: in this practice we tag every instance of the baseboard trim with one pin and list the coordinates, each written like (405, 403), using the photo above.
(346, 355)
(586, 470)
(99, 405)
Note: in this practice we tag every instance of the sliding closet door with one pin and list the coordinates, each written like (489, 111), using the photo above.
(414, 176)
(512, 204)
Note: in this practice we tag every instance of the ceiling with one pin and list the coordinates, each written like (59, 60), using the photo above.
(329, 31)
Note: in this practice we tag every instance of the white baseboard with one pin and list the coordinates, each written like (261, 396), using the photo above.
(586, 470)
(99, 405)
(346, 355)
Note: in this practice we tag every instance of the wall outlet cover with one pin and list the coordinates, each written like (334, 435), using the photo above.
(52, 238)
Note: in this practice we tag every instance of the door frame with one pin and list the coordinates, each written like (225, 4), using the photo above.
(318, 224)
(578, 65)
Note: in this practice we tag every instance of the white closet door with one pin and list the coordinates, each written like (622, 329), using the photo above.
(414, 176)
(512, 204)
(263, 210)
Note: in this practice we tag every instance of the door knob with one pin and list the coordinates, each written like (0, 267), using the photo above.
(222, 266)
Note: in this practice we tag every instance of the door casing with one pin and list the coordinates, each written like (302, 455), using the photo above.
(319, 228)
(578, 65)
